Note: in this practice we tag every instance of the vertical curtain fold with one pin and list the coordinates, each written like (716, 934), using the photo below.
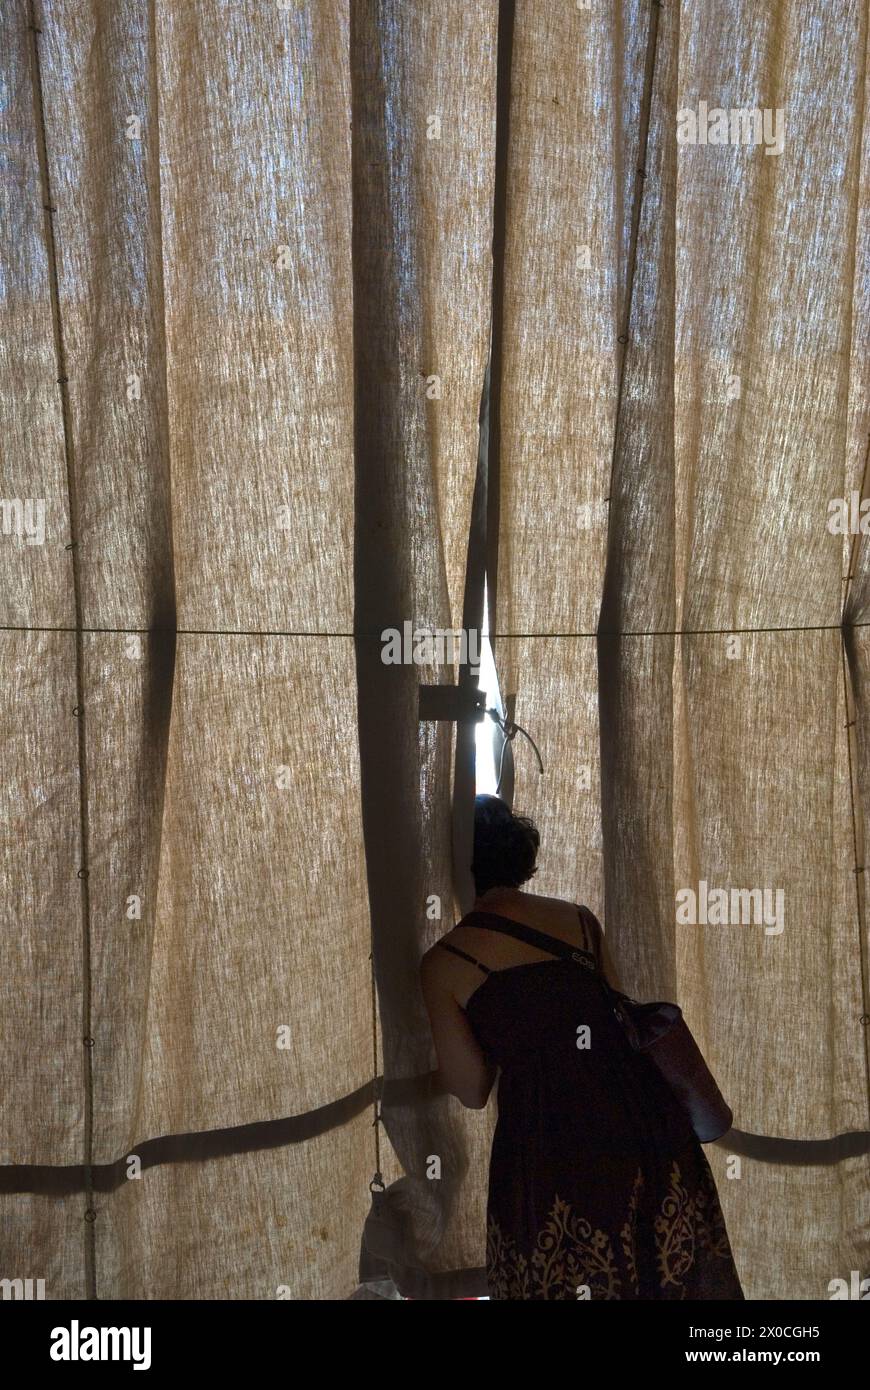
(422, 201)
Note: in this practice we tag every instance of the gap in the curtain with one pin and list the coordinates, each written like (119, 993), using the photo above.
(486, 775)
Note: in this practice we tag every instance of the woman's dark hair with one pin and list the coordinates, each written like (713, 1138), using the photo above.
(505, 846)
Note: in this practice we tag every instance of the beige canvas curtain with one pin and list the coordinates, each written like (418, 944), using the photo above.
(248, 309)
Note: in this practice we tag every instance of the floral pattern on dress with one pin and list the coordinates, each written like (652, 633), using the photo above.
(572, 1259)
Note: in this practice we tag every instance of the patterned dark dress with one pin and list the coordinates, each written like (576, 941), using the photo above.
(598, 1187)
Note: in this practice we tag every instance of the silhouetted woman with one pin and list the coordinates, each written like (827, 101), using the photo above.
(598, 1187)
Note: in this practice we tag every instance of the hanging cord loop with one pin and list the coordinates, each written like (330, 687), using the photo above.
(510, 731)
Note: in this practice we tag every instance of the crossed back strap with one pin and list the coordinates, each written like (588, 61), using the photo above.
(542, 940)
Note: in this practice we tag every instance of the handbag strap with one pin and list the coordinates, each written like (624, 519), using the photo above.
(542, 940)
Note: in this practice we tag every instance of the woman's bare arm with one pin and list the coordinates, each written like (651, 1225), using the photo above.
(462, 1066)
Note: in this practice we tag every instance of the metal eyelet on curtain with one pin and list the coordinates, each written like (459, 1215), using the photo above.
(88, 1042)
(90, 1214)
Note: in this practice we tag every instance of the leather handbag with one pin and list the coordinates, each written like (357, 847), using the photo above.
(660, 1031)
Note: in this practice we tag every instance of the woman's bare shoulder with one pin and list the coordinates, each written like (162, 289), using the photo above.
(560, 917)
(554, 916)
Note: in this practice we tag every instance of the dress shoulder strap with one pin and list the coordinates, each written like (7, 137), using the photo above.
(445, 945)
(591, 929)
